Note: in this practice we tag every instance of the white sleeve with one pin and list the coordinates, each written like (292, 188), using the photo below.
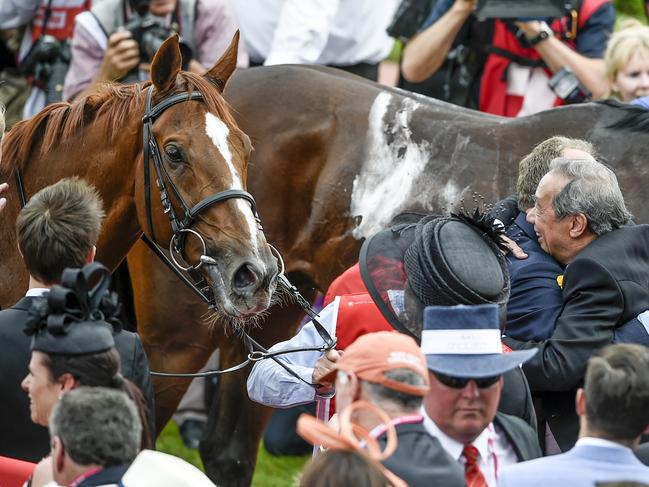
(270, 384)
(14, 13)
(302, 31)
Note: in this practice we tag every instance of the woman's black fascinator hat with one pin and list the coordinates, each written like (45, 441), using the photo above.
(75, 318)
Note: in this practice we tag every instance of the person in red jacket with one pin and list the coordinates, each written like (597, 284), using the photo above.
(506, 65)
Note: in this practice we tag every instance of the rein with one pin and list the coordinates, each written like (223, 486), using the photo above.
(182, 227)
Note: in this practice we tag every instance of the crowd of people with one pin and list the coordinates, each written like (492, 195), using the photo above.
(502, 349)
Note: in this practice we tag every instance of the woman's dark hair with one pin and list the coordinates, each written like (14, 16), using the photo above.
(337, 467)
(100, 370)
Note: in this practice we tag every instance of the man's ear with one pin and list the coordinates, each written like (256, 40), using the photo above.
(91, 254)
(58, 455)
(580, 402)
(578, 225)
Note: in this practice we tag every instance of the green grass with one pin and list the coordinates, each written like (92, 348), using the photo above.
(271, 471)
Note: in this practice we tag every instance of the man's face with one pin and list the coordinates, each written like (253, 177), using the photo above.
(462, 413)
(553, 233)
(162, 7)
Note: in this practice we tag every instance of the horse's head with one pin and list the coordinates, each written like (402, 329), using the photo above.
(204, 153)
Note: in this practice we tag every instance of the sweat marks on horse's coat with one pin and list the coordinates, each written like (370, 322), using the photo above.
(218, 133)
(393, 164)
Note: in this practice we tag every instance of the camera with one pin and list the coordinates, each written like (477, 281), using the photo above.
(566, 86)
(408, 18)
(524, 9)
(47, 63)
(150, 31)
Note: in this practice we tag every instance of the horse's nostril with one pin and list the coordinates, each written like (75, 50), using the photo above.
(245, 277)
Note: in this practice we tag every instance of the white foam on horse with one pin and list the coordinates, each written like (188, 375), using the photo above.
(218, 133)
(391, 169)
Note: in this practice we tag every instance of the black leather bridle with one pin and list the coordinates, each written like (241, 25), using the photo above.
(180, 227)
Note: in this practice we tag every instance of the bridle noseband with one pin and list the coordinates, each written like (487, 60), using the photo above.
(180, 227)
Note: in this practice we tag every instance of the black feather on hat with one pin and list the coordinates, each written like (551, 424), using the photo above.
(73, 318)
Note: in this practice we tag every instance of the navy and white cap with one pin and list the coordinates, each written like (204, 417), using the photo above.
(464, 341)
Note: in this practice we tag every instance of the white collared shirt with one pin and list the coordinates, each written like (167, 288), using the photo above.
(494, 449)
(600, 442)
(37, 292)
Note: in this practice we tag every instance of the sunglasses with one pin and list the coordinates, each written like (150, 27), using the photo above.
(457, 383)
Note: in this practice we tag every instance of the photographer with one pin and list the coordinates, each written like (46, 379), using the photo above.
(44, 52)
(116, 38)
(505, 65)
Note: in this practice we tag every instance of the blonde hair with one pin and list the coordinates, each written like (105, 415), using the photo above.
(622, 45)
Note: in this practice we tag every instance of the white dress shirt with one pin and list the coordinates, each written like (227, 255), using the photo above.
(37, 292)
(270, 384)
(327, 32)
(494, 449)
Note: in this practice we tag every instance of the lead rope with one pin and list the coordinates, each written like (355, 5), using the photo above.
(256, 352)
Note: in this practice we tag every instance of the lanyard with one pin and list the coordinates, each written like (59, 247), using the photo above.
(407, 419)
(79, 480)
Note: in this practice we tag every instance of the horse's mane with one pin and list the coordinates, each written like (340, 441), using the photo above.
(60, 121)
(634, 118)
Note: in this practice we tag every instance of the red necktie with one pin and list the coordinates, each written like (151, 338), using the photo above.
(472, 473)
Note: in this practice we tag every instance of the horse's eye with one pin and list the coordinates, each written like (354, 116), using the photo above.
(174, 154)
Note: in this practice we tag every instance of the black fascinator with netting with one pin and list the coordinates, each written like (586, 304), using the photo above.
(77, 317)
(442, 260)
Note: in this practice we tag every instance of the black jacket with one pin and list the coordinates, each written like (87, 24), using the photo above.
(420, 460)
(521, 436)
(642, 452)
(605, 286)
(107, 476)
(21, 438)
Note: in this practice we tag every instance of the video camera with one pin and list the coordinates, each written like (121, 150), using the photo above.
(525, 9)
(47, 63)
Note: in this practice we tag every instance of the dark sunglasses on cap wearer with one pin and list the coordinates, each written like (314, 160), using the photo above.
(458, 383)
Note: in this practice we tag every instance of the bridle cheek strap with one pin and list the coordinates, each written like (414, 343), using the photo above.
(180, 227)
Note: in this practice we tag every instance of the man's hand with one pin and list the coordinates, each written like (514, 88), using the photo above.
(122, 55)
(325, 365)
(3, 201)
(513, 247)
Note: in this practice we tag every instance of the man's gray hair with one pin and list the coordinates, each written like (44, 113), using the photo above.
(536, 164)
(592, 190)
(97, 426)
(380, 395)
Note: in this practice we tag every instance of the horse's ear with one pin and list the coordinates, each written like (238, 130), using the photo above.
(225, 66)
(166, 64)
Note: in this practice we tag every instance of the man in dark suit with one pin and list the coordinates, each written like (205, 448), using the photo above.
(579, 217)
(535, 300)
(466, 365)
(388, 370)
(614, 410)
(58, 228)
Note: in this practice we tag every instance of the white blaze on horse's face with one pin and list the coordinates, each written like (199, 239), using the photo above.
(218, 133)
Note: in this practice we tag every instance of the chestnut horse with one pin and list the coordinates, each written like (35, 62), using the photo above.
(336, 157)
(202, 156)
